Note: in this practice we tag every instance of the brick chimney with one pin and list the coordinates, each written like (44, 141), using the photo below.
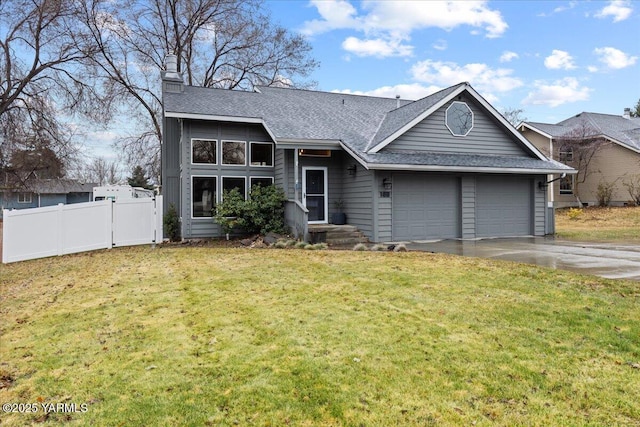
(627, 113)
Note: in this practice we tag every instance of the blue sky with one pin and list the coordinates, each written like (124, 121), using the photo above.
(550, 59)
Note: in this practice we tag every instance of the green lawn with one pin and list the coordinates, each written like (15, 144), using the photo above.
(178, 336)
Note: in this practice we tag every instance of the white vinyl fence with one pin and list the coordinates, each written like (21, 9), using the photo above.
(65, 229)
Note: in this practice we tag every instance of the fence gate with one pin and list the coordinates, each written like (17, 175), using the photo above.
(65, 229)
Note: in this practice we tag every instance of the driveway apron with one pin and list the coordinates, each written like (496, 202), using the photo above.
(609, 260)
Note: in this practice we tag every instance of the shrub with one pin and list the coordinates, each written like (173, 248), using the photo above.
(360, 247)
(171, 223)
(574, 213)
(377, 248)
(632, 184)
(262, 212)
(605, 192)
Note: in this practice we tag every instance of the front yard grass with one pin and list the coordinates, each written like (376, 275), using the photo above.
(203, 336)
(600, 224)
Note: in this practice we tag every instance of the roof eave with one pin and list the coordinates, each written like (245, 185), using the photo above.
(416, 120)
(476, 169)
(212, 117)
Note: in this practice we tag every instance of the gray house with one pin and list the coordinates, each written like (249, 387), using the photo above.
(35, 193)
(445, 166)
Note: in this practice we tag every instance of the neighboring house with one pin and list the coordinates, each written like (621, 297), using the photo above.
(445, 166)
(46, 192)
(616, 159)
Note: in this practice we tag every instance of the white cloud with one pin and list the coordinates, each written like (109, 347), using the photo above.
(376, 47)
(391, 21)
(557, 93)
(508, 56)
(619, 9)
(406, 91)
(559, 59)
(592, 69)
(335, 14)
(614, 58)
(440, 45)
(482, 77)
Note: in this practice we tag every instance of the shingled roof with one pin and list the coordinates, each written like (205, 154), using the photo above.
(358, 123)
(619, 129)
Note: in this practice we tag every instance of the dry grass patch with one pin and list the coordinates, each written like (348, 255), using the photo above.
(600, 224)
(205, 336)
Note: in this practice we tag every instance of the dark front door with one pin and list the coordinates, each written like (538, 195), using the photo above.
(314, 193)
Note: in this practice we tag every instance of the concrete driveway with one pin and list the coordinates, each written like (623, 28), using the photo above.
(610, 260)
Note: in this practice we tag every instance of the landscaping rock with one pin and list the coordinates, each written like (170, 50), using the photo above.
(271, 238)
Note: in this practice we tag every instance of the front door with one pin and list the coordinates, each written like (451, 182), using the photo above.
(314, 194)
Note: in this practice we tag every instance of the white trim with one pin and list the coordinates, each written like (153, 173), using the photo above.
(356, 157)
(222, 177)
(204, 139)
(24, 198)
(403, 167)
(310, 144)
(326, 191)
(506, 124)
(214, 201)
(417, 120)
(446, 118)
(213, 117)
(533, 129)
(273, 154)
(222, 163)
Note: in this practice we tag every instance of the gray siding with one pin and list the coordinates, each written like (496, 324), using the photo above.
(431, 134)
(358, 198)
(383, 209)
(281, 171)
(468, 190)
(170, 164)
(539, 207)
(205, 227)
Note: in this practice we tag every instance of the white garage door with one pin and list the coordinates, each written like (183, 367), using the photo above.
(503, 206)
(425, 207)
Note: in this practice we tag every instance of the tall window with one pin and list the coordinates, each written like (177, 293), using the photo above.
(234, 153)
(234, 182)
(565, 154)
(204, 151)
(203, 195)
(566, 185)
(261, 154)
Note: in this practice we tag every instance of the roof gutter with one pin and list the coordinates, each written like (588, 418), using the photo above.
(475, 169)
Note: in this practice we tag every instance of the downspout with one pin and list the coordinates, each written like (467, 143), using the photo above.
(296, 178)
(552, 187)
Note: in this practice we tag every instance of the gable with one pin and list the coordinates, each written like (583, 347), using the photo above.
(486, 136)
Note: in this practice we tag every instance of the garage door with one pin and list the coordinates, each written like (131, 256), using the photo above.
(425, 207)
(503, 206)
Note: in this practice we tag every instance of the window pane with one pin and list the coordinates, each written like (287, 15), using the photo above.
(459, 118)
(229, 184)
(203, 151)
(203, 196)
(233, 153)
(261, 154)
(315, 181)
(566, 185)
(263, 182)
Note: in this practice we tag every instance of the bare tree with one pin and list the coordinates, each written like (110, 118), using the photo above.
(229, 44)
(577, 148)
(514, 115)
(40, 46)
(99, 171)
